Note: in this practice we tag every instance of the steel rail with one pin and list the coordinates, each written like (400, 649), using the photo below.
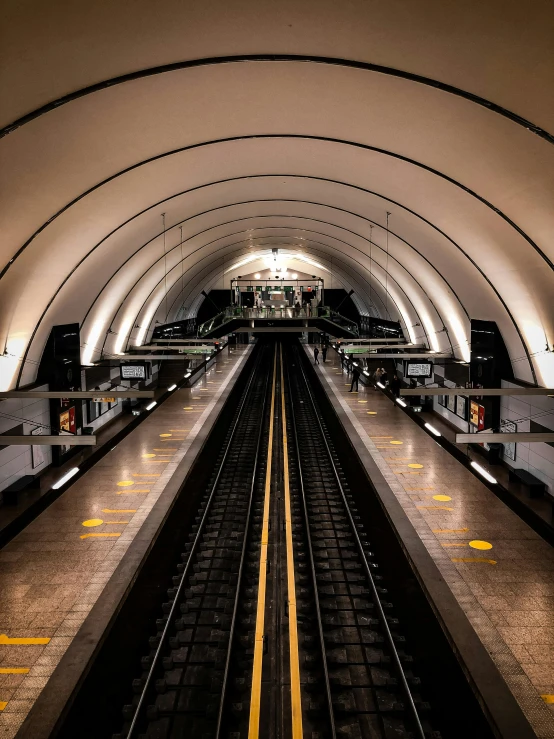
(155, 661)
(412, 707)
(312, 562)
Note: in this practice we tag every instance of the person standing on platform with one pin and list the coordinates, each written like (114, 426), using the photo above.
(376, 377)
(297, 308)
(355, 378)
(316, 355)
(395, 386)
(384, 376)
(324, 352)
(341, 355)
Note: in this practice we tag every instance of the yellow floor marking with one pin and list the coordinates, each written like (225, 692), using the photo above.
(147, 456)
(14, 670)
(133, 492)
(435, 507)
(449, 531)
(98, 536)
(371, 413)
(256, 694)
(119, 510)
(548, 698)
(396, 442)
(362, 401)
(473, 559)
(92, 522)
(415, 465)
(156, 461)
(296, 700)
(125, 483)
(478, 544)
(443, 498)
(3, 704)
(163, 435)
(5, 639)
(166, 449)
(146, 474)
(453, 544)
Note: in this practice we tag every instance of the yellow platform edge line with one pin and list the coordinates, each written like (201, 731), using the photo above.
(14, 670)
(5, 639)
(296, 699)
(256, 693)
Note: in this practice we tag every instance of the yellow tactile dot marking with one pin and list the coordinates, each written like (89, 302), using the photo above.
(89, 523)
(3, 704)
(125, 483)
(478, 544)
(415, 466)
(442, 497)
(148, 456)
(548, 698)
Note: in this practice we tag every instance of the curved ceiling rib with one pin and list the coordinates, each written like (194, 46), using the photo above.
(332, 61)
(292, 136)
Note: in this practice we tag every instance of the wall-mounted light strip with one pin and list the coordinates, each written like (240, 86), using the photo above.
(432, 429)
(401, 402)
(65, 478)
(188, 375)
(151, 405)
(172, 387)
(380, 384)
(483, 472)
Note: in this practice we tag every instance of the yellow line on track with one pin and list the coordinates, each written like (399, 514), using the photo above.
(296, 700)
(256, 695)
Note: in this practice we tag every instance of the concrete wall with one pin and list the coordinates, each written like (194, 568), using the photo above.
(16, 461)
(527, 413)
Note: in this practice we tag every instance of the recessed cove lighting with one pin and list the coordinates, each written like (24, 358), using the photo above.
(380, 384)
(65, 478)
(483, 472)
(151, 405)
(188, 374)
(172, 387)
(401, 402)
(366, 373)
(432, 429)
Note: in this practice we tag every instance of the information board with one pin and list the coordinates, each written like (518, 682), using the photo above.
(133, 371)
(419, 369)
(507, 427)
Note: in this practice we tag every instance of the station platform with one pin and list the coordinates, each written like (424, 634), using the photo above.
(472, 554)
(63, 577)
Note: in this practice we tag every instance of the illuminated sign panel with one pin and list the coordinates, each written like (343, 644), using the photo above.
(133, 371)
(419, 369)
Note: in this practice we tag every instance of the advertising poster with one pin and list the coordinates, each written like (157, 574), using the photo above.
(474, 413)
(451, 403)
(461, 406)
(509, 449)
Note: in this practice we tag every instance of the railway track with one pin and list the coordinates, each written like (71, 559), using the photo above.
(277, 624)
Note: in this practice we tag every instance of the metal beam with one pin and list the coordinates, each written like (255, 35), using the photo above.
(41, 440)
(415, 355)
(278, 330)
(351, 348)
(503, 438)
(477, 391)
(370, 341)
(153, 357)
(76, 394)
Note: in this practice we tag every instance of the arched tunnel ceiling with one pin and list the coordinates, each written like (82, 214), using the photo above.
(298, 125)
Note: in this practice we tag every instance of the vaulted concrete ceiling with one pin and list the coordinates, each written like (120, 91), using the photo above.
(303, 125)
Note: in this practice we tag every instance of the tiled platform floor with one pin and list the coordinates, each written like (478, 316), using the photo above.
(54, 571)
(507, 590)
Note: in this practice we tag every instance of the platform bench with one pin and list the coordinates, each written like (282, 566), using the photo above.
(12, 492)
(535, 487)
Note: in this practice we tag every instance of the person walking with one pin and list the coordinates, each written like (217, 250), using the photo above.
(384, 376)
(316, 355)
(324, 352)
(395, 386)
(376, 377)
(355, 378)
(297, 308)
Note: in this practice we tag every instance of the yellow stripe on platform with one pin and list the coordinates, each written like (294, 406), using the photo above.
(5, 639)
(97, 536)
(3, 704)
(296, 700)
(256, 694)
(474, 559)
(14, 670)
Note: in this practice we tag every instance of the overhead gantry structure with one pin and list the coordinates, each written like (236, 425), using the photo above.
(150, 152)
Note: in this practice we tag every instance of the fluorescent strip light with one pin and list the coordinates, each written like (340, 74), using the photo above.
(188, 374)
(172, 388)
(366, 373)
(483, 472)
(380, 384)
(65, 478)
(151, 405)
(401, 402)
(432, 429)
